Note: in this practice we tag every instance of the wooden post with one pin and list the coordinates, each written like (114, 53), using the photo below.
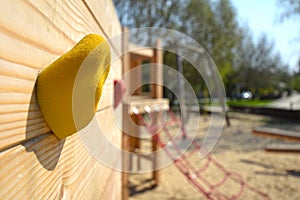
(125, 136)
(137, 79)
(156, 92)
(156, 72)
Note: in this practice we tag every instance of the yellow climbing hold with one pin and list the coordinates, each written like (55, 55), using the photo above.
(84, 68)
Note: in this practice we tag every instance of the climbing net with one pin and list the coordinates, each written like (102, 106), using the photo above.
(193, 171)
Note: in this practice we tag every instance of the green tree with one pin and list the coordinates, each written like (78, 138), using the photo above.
(212, 24)
(291, 8)
(227, 37)
(258, 67)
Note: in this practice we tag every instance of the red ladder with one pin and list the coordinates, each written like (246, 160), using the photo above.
(193, 173)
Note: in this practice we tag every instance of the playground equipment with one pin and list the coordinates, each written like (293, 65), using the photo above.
(137, 101)
(139, 105)
(193, 171)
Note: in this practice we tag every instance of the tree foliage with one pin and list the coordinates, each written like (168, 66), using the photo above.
(258, 68)
(291, 7)
(212, 23)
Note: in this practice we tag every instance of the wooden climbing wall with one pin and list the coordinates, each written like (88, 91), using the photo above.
(34, 164)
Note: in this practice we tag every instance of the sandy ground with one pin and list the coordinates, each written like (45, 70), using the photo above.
(277, 174)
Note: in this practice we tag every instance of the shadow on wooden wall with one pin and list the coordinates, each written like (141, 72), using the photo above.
(46, 147)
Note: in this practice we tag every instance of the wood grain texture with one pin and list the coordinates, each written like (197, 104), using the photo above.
(37, 33)
(34, 164)
(104, 14)
(114, 182)
(125, 137)
(157, 71)
(48, 168)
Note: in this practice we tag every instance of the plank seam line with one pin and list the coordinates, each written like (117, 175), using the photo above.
(101, 28)
(44, 16)
(40, 137)
(111, 174)
(28, 41)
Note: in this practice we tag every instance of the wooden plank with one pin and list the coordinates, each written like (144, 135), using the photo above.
(157, 116)
(19, 116)
(72, 170)
(113, 182)
(125, 117)
(140, 51)
(283, 148)
(34, 33)
(104, 13)
(67, 16)
(138, 104)
(17, 71)
(31, 58)
(14, 108)
(84, 178)
(21, 175)
(17, 108)
(32, 47)
(7, 98)
(125, 162)
(16, 121)
(136, 82)
(93, 188)
(126, 64)
(14, 136)
(56, 20)
(276, 133)
(14, 111)
(20, 124)
(22, 53)
(26, 12)
(156, 75)
(10, 84)
(46, 167)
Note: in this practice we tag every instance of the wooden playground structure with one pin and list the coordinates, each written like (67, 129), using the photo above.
(138, 102)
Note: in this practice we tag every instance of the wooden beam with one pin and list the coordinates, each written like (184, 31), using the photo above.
(277, 133)
(283, 148)
(157, 93)
(125, 117)
(157, 72)
(136, 80)
(140, 103)
(140, 51)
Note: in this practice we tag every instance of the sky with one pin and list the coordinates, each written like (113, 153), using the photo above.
(263, 16)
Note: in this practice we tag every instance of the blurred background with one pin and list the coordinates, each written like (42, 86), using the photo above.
(255, 44)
